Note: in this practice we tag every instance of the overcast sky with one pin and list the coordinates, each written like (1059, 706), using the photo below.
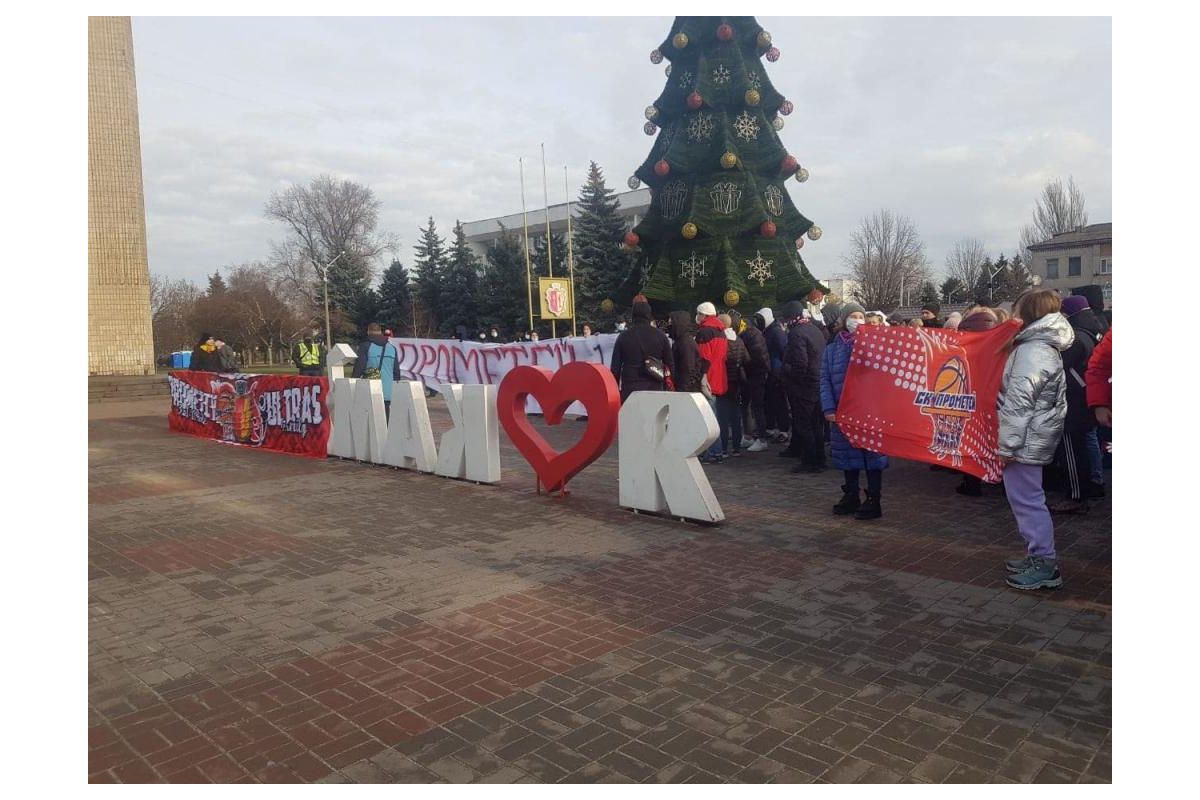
(956, 123)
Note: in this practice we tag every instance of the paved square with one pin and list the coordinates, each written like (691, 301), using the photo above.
(261, 617)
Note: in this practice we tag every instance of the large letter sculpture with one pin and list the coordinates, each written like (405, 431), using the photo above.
(471, 449)
(410, 435)
(591, 384)
(359, 421)
(661, 435)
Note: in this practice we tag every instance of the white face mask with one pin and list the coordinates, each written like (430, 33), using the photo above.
(852, 324)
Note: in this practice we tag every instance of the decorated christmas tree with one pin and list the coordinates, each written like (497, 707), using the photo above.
(721, 225)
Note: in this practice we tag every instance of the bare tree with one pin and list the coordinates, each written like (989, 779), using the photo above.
(1059, 209)
(965, 262)
(329, 217)
(171, 303)
(886, 257)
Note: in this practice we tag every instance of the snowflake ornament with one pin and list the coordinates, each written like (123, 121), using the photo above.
(753, 80)
(693, 268)
(746, 127)
(760, 268)
(685, 80)
(721, 75)
(700, 128)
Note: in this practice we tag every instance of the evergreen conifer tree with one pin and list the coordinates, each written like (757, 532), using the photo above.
(721, 225)
(216, 284)
(395, 298)
(600, 261)
(460, 300)
(430, 265)
(504, 300)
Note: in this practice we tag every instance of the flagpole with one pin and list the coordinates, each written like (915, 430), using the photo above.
(570, 255)
(549, 241)
(525, 228)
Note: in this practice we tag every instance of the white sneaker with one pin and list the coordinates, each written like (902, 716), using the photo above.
(757, 447)
(747, 441)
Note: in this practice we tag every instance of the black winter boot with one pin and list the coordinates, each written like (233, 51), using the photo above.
(870, 509)
(849, 503)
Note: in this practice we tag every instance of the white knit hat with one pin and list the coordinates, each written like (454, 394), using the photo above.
(707, 308)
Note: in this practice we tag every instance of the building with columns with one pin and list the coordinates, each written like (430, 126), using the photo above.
(120, 335)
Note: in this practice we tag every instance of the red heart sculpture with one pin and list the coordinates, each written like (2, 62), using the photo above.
(590, 384)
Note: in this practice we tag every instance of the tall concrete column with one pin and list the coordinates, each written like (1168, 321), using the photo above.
(120, 335)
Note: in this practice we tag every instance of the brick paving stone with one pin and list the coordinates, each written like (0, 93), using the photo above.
(243, 629)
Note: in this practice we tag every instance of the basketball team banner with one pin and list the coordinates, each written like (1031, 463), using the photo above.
(288, 413)
(927, 394)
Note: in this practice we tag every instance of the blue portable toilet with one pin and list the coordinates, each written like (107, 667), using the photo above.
(181, 359)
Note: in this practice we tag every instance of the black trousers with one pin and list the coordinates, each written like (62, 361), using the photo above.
(874, 481)
(1075, 463)
(807, 424)
(778, 416)
(754, 401)
(314, 371)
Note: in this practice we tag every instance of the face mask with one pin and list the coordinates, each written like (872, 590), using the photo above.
(620, 326)
(852, 324)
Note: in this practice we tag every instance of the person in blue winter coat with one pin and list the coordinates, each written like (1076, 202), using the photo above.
(851, 460)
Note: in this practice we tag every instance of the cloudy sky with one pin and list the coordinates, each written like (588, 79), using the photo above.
(956, 123)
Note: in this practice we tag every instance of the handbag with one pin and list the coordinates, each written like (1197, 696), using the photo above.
(652, 367)
(376, 373)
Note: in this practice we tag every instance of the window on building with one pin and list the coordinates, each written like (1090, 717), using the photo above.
(1105, 266)
(1051, 268)
(1106, 290)
(1074, 265)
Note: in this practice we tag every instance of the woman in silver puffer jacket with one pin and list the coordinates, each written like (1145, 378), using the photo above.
(1032, 411)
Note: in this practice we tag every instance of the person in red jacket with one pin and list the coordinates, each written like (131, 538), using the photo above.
(1099, 381)
(713, 347)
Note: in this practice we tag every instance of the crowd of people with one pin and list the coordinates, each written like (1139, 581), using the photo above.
(778, 379)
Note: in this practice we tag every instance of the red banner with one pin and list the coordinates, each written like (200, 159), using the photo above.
(927, 394)
(288, 413)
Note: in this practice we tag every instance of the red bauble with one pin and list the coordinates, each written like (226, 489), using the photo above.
(767, 229)
(631, 239)
(815, 296)
(662, 168)
(773, 55)
(694, 100)
(724, 31)
(789, 164)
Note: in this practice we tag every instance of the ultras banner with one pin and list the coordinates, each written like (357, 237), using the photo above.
(288, 413)
(927, 394)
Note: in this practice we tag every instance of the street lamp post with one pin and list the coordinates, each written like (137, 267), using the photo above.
(992, 282)
(325, 280)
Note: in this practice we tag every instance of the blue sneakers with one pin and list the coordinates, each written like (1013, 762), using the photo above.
(1040, 574)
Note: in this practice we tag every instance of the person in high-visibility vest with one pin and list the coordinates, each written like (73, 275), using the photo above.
(309, 356)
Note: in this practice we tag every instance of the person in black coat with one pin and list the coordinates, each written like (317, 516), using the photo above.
(1072, 453)
(779, 420)
(633, 347)
(1095, 297)
(802, 380)
(686, 375)
(754, 392)
(205, 357)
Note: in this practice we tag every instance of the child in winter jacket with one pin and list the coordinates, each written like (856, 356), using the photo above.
(1032, 411)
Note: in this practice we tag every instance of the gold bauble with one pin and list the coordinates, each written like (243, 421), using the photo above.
(814, 233)
(607, 306)
(729, 161)
(764, 39)
(732, 298)
(680, 40)
(753, 97)
(689, 230)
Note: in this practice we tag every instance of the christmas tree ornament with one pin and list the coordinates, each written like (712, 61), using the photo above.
(671, 197)
(753, 97)
(724, 31)
(767, 229)
(746, 127)
(726, 197)
(650, 128)
(732, 298)
(786, 107)
(685, 80)
(700, 128)
(764, 39)
(656, 56)
(788, 165)
(607, 305)
(760, 268)
(814, 233)
(729, 160)
(773, 55)
(632, 239)
(633, 182)
(662, 168)
(668, 70)
(721, 75)
(694, 101)
(692, 268)
(777, 123)
(801, 175)
(800, 243)
(651, 113)
(680, 40)
(689, 230)
(773, 197)
(815, 296)
(753, 80)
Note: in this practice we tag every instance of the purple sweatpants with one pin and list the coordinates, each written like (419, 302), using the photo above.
(1023, 485)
